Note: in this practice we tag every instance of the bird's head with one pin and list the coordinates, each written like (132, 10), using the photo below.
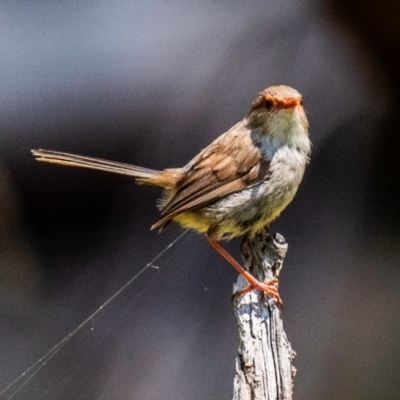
(278, 111)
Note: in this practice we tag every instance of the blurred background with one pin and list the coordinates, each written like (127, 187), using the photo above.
(151, 83)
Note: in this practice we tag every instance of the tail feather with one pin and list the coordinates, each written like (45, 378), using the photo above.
(74, 160)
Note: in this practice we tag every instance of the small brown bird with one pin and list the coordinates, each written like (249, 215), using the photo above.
(235, 186)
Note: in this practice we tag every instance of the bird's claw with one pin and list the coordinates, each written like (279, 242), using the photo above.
(269, 287)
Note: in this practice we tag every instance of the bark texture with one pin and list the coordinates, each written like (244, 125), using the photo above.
(264, 369)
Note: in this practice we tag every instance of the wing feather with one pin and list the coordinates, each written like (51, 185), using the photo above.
(205, 198)
(216, 172)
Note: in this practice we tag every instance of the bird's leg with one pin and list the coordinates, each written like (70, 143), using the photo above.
(271, 283)
(267, 286)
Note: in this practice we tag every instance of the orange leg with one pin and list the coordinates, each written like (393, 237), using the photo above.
(270, 283)
(267, 286)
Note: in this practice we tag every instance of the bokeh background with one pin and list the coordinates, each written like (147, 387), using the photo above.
(151, 83)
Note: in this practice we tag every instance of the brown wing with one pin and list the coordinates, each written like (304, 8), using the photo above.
(230, 164)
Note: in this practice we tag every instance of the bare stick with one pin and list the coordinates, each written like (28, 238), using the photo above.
(264, 369)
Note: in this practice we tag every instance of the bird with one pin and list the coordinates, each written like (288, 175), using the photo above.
(238, 184)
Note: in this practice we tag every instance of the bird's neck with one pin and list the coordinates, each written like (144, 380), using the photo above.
(284, 133)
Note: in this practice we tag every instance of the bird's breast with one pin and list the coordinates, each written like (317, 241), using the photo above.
(254, 207)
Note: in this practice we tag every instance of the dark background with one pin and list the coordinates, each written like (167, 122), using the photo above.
(151, 83)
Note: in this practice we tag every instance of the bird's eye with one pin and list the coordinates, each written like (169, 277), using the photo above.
(301, 102)
(268, 104)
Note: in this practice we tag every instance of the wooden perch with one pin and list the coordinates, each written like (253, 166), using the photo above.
(264, 369)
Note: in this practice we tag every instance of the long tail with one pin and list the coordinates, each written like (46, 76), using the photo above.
(74, 160)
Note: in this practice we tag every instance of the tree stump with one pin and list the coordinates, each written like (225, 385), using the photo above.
(264, 369)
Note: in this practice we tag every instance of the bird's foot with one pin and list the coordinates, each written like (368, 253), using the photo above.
(269, 287)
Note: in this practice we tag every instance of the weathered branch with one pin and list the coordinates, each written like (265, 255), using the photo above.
(264, 369)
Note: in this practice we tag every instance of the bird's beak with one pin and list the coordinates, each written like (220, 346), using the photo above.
(291, 102)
